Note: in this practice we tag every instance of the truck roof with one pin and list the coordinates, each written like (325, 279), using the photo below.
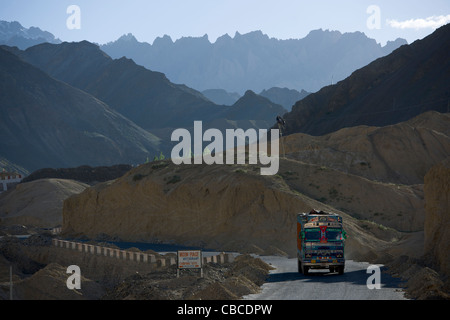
(316, 212)
(319, 218)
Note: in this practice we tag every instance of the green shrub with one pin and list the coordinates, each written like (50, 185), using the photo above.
(138, 177)
(174, 179)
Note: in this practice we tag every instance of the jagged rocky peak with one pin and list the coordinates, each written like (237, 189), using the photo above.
(15, 35)
(162, 41)
(224, 39)
(128, 38)
(257, 35)
(250, 93)
(15, 29)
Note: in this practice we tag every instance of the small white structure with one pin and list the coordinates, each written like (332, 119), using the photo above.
(9, 178)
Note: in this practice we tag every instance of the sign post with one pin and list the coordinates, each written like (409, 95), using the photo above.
(189, 259)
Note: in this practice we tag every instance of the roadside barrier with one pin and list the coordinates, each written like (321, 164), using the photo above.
(56, 230)
(135, 256)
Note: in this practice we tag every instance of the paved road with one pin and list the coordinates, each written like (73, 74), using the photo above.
(285, 283)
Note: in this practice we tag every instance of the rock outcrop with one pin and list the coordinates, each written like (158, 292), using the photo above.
(401, 153)
(408, 82)
(226, 207)
(437, 221)
(38, 203)
(212, 206)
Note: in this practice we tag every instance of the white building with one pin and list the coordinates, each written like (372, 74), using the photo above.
(9, 178)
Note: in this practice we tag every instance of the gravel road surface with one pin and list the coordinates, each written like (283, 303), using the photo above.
(285, 283)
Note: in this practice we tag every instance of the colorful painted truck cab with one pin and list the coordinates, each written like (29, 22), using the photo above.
(320, 242)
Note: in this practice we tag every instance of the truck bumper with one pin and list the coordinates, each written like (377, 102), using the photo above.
(318, 264)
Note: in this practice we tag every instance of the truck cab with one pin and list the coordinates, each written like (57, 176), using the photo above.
(320, 242)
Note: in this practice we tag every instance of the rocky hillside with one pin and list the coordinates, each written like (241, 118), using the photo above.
(400, 154)
(254, 107)
(426, 269)
(47, 123)
(145, 97)
(400, 207)
(410, 81)
(227, 207)
(38, 203)
(253, 61)
(437, 222)
(15, 35)
(284, 96)
(374, 176)
(212, 206)
(221, 96)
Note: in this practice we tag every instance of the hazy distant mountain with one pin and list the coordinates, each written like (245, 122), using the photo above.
(253, 60)
(252, 106)
(47, 123)
(250, 111)
(284, 96)
(147, 98)
(15, 35)
(221, 97)
(410, 81)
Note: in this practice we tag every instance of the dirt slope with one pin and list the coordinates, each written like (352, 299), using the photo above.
(411, 80)
(400, 207)
(227, 207)
(38, 203)
(437, 223)
(49, 283)
(401, 153)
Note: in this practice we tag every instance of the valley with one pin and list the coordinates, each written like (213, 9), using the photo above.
(91, 129)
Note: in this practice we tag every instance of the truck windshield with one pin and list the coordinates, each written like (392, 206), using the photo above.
(334, 235)
(312, 234)
(331, 235)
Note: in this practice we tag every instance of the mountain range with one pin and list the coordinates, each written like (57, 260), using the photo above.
(129, 108)
(253, 61)
(146, 97)
(48, 123)
(15, 35)
(373, 147)
(411, 80)
(71, 104)
(282, 96)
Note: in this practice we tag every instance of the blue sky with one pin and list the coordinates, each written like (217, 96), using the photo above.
(102, 21)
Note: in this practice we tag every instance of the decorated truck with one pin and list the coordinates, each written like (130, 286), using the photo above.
(320, 242)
